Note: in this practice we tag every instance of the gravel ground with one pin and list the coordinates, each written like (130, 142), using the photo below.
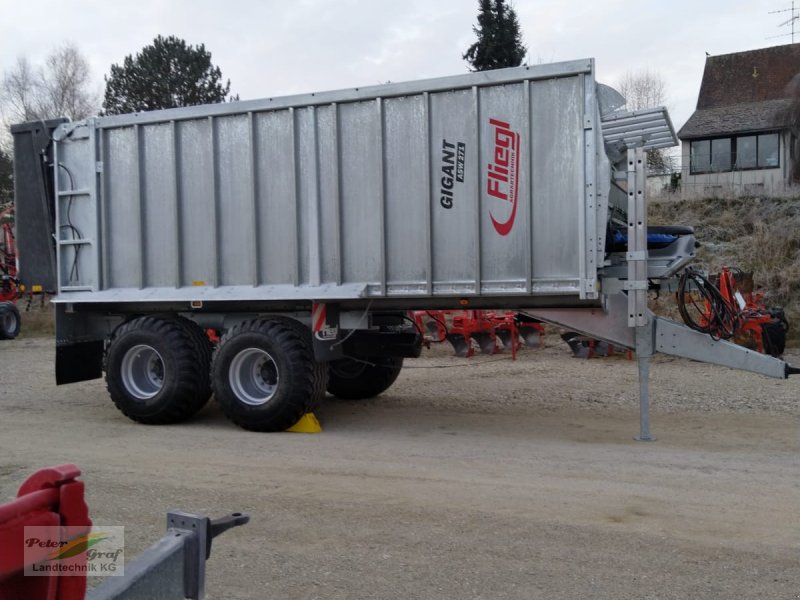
(480, 478)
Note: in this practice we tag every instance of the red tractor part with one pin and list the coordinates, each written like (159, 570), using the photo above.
(432, 322)
(506, 329)
(50, 497)
(9, 287)
(459, 328)
(492, 331)
(530, 330)
(724, 312)
(9, 290)
(516, 330)
(586, 347)
(758, 327)
(472, 325)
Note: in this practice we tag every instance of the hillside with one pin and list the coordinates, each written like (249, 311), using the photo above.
(759, 235)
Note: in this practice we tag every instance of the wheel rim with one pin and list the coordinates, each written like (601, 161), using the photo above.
(10, 322)
(142, 372)
(254, 376)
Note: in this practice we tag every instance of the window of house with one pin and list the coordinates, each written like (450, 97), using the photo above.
(746, 152)
(752, 151)
(721, 154)
(768, 151)
(701, 156)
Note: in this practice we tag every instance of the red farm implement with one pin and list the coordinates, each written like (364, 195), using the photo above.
(731, 310)
(586, 347)
(9, 289)
(491, 331)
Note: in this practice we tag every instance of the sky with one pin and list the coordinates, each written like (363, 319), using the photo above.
(273, 48)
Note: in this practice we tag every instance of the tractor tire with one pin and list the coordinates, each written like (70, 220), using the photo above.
(353, 380)
(156, 371)
(320, 369)
(10, 321)
(264, 374)
(206, 351)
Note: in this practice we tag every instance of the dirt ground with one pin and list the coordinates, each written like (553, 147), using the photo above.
(468, 479)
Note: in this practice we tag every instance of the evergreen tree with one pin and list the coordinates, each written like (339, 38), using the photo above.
(166, 74)
(499, 43)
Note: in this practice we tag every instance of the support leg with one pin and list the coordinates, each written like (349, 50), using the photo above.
(644, 400)
(644, 350)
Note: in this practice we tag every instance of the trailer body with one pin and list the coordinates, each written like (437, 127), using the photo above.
(487, 184)
(341, 210)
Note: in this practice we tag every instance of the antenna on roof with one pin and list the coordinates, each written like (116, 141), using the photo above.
(791, 21)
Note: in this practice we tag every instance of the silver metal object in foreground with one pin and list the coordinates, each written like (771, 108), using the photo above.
(644, 350)
(636, 285)
(175, 566)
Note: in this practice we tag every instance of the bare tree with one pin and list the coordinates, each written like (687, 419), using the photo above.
(66, 84)
(60, 88)
(645, 89)
(18, 92)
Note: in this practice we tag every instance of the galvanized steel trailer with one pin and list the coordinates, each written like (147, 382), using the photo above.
(334, 213)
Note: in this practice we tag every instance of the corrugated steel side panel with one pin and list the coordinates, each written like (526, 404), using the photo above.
(397, 190)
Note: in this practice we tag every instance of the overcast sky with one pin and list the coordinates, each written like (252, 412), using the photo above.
(273, 48)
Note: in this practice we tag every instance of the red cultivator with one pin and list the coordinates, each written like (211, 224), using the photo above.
(491, 331)
(586, 347)
(8, 259)
(9, 289)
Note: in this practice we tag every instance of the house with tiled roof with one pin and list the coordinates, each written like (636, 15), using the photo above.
(738, 141)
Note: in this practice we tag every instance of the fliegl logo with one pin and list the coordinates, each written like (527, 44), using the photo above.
(503, 176)
(319, 323)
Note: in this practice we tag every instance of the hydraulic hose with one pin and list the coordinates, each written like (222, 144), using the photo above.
(703, 307)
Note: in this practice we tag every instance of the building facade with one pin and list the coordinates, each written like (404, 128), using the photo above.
(739, 141)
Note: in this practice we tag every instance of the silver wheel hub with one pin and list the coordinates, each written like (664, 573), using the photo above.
(253, 376)
(142, 372)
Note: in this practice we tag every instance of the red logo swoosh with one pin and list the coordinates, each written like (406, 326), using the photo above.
(504, 227)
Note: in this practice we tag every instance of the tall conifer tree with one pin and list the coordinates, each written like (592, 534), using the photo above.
(499, 42)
